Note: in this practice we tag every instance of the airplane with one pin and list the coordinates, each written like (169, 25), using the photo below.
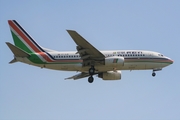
(87, 60)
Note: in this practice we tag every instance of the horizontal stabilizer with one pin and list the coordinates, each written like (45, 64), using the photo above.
(17, 51)
(13, 61)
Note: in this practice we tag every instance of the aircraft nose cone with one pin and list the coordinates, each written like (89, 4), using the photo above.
(170, 60)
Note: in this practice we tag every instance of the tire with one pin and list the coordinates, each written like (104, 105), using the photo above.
(153, 74)
(90, 79)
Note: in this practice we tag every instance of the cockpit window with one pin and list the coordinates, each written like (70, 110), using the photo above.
(160, 55)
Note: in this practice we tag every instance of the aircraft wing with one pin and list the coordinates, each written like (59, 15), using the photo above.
(89, 54)
(79, 76)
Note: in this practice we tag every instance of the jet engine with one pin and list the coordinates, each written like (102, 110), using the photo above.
(114, 61)
(110, 75)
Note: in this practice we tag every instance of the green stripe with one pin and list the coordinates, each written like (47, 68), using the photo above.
(33, 58)
(149, 61)
(116, 60)
(19, 43)
(65, 63)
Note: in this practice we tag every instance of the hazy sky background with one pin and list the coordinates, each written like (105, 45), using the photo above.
(28, 92)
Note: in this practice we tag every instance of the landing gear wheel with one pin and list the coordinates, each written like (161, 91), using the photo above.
(153, 74)
(91, 70)
(90, 79)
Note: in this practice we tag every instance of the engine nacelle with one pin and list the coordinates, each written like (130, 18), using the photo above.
(114, 61)
(110, 75)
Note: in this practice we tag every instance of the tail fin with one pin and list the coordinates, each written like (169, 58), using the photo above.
(22, 40)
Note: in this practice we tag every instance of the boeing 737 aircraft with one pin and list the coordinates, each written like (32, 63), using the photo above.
(87, 59)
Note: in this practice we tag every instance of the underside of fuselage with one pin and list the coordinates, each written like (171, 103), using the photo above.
(99, 68)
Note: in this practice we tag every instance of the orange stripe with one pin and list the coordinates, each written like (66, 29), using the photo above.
(45, 56)
(23, 36)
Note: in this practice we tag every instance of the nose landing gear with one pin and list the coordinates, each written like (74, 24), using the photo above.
(153, 74)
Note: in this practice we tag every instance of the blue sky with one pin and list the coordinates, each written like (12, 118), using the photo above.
(28, 92)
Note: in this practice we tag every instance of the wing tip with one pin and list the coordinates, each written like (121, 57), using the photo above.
(70, 31)
(8, 44)
(68, 78)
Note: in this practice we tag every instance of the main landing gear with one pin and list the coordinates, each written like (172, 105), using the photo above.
(90, 79)
(91, 73)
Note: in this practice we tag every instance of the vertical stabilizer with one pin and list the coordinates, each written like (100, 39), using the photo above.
(22, 39)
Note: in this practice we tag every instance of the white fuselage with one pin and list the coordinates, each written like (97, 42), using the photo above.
(87, 59)
(133, 60)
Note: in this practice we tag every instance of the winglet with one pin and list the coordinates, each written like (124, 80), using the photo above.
(17, 51)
